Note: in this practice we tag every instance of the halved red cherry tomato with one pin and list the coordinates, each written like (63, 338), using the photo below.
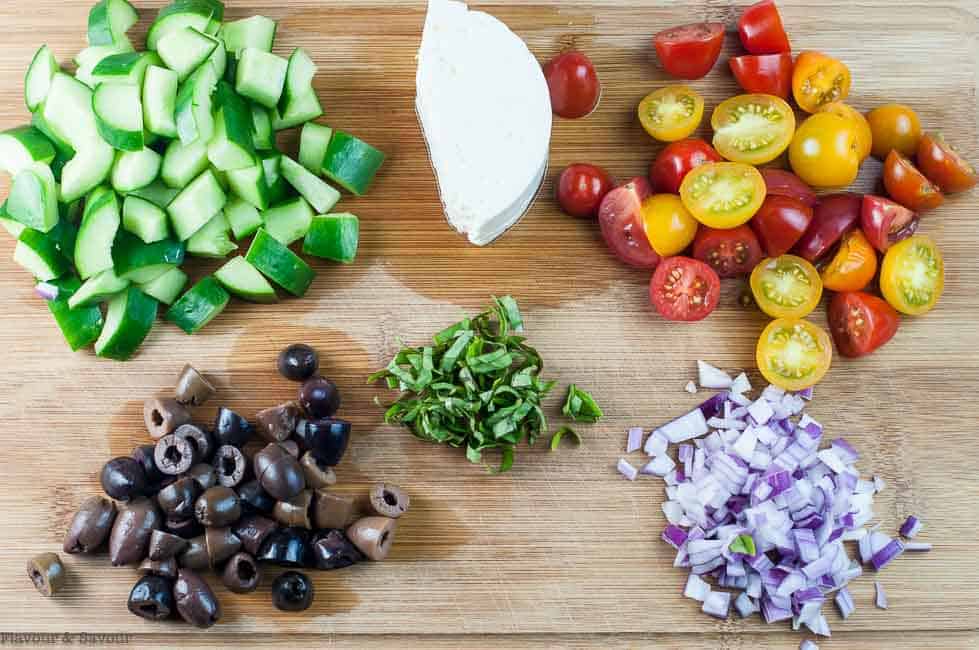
(581, 188)
(671, 113)
(689, 51)
(836, 215)
(620, 216)
(908, 186)
(885, 222)
(676, 160)
(944, 166)
(723, 194)
(779, 182)
(684, 289)
(779, 223)
(786, 286)
(912, 276)
(861, 323)
(818, 80)
(853, 266)
(793, 354)
(761, 29)
(731, 252)
(770, 74)
(752, 129)
(573, 83)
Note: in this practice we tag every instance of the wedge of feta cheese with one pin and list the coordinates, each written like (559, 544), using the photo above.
(485, 112)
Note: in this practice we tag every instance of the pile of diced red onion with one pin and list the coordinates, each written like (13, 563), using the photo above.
(755, 504)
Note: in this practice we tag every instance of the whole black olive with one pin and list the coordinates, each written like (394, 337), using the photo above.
(152, 598)
(298, 362)
(177, 499)
(319, 397)
(241, 574)
(196, 603)
(90, 526)
(332, 550)
(325, 439)
(279, 472)
(218, 506)
(131, 531)
(287, 547)
(144, 456)
(252, 531)
(185, 528)
(254, 498)
(204, 474)
(231, 429)
(292, 592)
(123, 478)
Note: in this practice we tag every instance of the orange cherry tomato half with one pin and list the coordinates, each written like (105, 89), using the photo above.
(818, 80)
(793, 354)
(865, 136)
(894, 126)
(908, 186)
(853, 266)
(944, 166)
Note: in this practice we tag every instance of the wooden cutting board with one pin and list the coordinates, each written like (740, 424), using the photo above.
(561, 552)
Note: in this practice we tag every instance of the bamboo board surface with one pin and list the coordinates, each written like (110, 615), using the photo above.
(561, 552)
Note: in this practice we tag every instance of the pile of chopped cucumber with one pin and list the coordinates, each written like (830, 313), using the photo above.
(142, 160)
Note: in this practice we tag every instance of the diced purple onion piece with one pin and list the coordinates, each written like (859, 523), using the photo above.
(692, 425)
(911, 527)
(917, 547)
(696, 588)
(761, 411)
(806, 393)
(714, 406)
(881, 598)
(626, 469)
(634, 442)
(886, 555)
(712, 377)
(844, 602)
(745, 606)
(717, 604)
(690, 387)
(741, 384)
(656, 444)
(46, 291)
(674, 536)
(659, 466)
(773, 613)
(845, 451)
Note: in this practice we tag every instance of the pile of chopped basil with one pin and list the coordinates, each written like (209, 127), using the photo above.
(478, 387)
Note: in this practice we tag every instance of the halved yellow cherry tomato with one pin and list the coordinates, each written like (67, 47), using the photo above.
(912, 277)
(824, 151)
(793, 354)
(818, 79)
(786, 286)
(853, 266)
(723, 195)
(865, 137)
(672, 113)
(752, 129)
(669, 226)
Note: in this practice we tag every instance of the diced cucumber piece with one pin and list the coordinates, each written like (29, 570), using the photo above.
(14, 228)
(109, 20)
(156, 193)
(23, 146)
(219, 59)
(263, 136)
(167, 287)
(333, 237)
(222, 178)
(87, 170)
(193, 107)
(68, 111)
(313, 141)
(37, 81)
(89, 58)
(160, 101)
(257, 32)
(351, 163)
(80, 327)
(279, 189)
(183, 50)
(180, 14)
(243, 218)
(119, 115)
(148, 274)
(261, 76)
(279, 264)
(243, 280)
(288, 222)
(199, 306)
(312, 188)
(183, 163)
(128, 322)
(145, 219)
(135, 260)
(135, 169)
(39, 254)
(249, 184)
(231, 147)
(64, 236)
(33, 199)
(304, 108)
(213, 240)
(63, 152)
(196, 205)
(97, 289)
(93, 247)
(299, 77)
(124, 68)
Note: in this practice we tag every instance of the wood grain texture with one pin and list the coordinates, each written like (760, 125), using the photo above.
(561, 552)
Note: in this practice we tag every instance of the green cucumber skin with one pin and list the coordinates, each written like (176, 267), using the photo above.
(80, 326)
(140, 314)
(157, 193)
(333, 237)
(351, 162)
(206, 10)
(279, 264)
(199, 306)
(229, 276)
(46, 249)
(35, 141)
(129, 253)
(167, 287)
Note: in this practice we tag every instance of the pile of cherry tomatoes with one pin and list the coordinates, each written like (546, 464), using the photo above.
(706, 211)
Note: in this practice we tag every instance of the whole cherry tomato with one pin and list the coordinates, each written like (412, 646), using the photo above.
(581, 188)
(885, 222)
(793, 354)
(861, 323)
(864, 135)
(620, 216)
(819, 80)
(761, 29)
(836, 215)
(853, 266)
(769, 74)
(779, 182)
(731, 252)
(824, 151)
(944, 166)
(894, 126)
(912, 276)
(908, 186)
(779, 223)
(669, 226)
(690, 51)
(676, 160)
(684, 289)
(573, 83)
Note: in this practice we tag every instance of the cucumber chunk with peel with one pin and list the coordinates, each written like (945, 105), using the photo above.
(80, 326)
(166, 287)
(256, 32)
(39, 254)
(87, 170)
(135, 169)
(279, 264)
(109, 20)
(313, 142)
(100, 223)
(333, 237)
(145, 219)
(119, 115)
(243, 218)
(128, 321)
(351, 163)
(242, 279)
(97, 289)
(37, 81)
(33, 199)
(213, 240)
(312, 188)
(183, 50)
(289, 221)
(261, 76)
(199, 306)
(196, 205)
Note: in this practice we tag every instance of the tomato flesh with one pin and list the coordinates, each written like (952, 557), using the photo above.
(779, 224)
(836, 215)
(684, 289)
(944, 166)
(853, 266)
(672, 113)
(912, 276)
(731, 252)
(581, 188)
(620, 217)
(724, 194)
(793, 354)
(861, 323)
(573, 85)
(761, 30)
(770, 74)
(786, 286)
(885, 222)
(818, 80)
(908, 186)
(752, 129)
(676, 160)
(779, 182)
(689, 51)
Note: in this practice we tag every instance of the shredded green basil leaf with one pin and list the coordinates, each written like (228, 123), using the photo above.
(581, 407)
(560, 433)
(744, 544)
